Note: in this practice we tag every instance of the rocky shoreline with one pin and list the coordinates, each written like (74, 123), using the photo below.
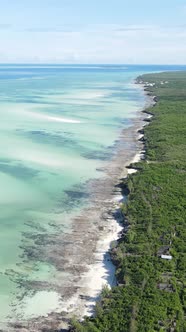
(92, 232)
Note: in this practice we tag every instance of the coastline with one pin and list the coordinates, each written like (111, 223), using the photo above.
(93, 268)
(102, 271)
(149, 261)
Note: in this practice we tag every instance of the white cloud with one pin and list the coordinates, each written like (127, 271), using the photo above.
(97, 44)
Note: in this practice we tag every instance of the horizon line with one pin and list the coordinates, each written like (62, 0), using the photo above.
(90, 64)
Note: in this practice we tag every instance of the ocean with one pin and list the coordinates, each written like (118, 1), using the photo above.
(58, 127)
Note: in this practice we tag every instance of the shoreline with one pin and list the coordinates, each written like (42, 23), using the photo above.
(149, 256)
(98, 276)
(97, 269)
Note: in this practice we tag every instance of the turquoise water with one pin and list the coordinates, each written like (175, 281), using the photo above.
(58, 124)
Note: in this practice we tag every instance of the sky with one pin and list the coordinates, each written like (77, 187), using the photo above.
(93, 31)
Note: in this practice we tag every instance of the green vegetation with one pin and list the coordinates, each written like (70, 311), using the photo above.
(151, 293)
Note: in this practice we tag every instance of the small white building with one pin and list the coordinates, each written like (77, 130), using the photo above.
(167, 257)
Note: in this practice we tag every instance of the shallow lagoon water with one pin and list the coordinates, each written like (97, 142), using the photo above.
(58, 126)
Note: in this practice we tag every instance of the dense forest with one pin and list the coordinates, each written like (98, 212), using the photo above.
(151, 256)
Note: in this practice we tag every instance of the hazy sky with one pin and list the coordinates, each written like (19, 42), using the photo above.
(93, 31)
